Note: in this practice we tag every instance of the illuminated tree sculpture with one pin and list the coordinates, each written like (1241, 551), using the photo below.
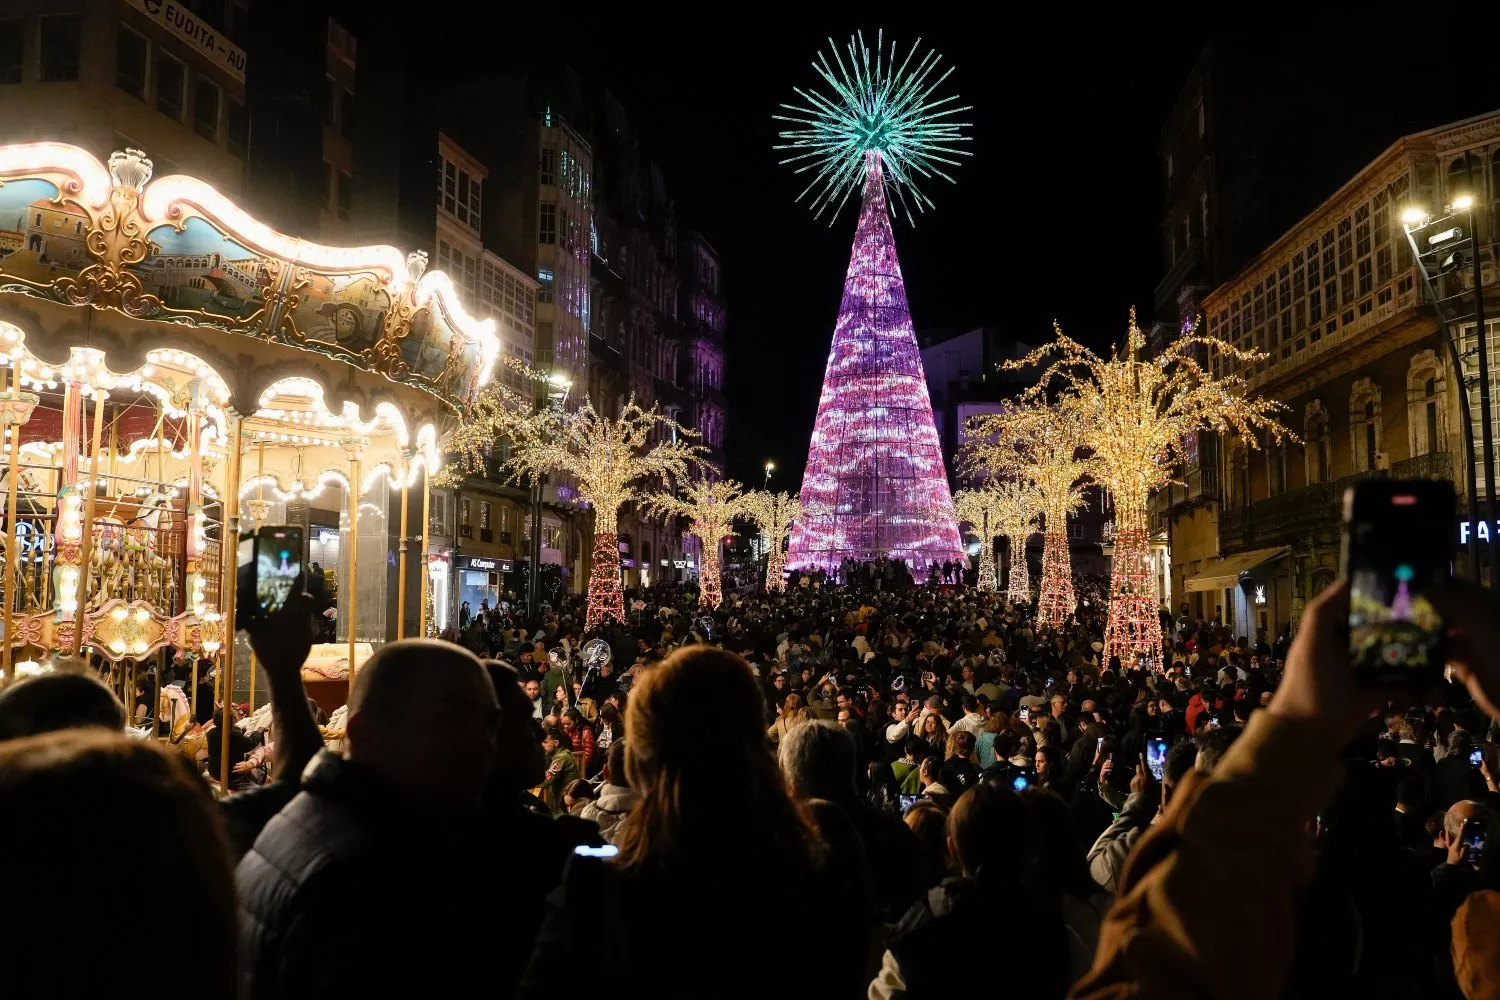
(774, 514)
(874, 465)
(979, 509)
(612, 460)
(1140, 414)
(1043, 445)
(711, 506)
(1016, 507)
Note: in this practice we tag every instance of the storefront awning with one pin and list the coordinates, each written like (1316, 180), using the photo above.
(1225, 572)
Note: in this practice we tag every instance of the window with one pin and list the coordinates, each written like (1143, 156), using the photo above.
(346, 115)
(547, 228)
(545, 284)
(1315, 434)
(130, 63)
(239, 127)
(465, 530)
(486, 530)
(206, 109)
(171, 78)
(460, 194)
(440, 522)
(1203, 210)
(1364, 424)
(1276, 470)
(549, 165)
(1075, 531)
(12, 49)
(346, 195)
(62, 37)
(1426, 396)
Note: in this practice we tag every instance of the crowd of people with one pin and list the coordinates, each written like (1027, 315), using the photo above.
(862, 786)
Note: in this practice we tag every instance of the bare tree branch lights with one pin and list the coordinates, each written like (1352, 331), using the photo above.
(1016, 508)
(1043, 445)
(612, 460)
(980, 511)
(711, 506)
(774, 514)
(1139, 413)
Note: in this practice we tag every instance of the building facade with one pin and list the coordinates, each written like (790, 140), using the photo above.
(1358, 360)
(115, 74)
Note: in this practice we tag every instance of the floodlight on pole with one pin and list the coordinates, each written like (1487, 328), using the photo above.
(1413, 216)
(1463, 203)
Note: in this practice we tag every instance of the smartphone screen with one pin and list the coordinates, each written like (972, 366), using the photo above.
(1476, 757)
(270, 564)
(1020, 782)
(1397, 543)
(1099, 745)
(1156, 756)
(907, 801)
(1025, 714)
(1476, 838)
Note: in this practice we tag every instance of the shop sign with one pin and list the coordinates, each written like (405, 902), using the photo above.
(202, 38)
(485, 563)
(1482, 533)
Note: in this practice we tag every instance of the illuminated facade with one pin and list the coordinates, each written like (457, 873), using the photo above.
(874, 460)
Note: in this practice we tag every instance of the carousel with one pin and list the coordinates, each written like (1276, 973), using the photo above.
(175, 375)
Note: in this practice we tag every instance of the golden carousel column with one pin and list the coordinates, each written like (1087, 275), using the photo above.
(354, 448)
(89, 501)
(196, 538)
(426, 538)
(15, 411)
(401, 558)
(229, 561)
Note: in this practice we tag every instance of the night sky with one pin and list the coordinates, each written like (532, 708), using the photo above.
(1054, 216)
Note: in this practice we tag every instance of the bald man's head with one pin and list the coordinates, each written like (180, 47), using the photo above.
(422, 713)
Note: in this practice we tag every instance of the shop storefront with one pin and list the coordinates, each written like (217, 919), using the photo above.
(481, 580)
(1247, 591)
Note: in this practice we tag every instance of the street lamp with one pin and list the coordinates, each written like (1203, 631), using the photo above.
(557, 385)
(1437, 245)
(770, 468)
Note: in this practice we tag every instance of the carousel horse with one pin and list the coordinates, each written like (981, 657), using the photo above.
(126, 556)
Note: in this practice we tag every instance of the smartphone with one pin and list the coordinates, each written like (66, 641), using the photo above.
(1025, 714)
(1099, 745)
(269, 568)
(1476, 838)
(907, 801)
(1397, 544)
(1156, 756)
(1476, 757)
(1021, 781)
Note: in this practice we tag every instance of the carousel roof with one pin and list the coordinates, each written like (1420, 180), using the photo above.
(174, 256)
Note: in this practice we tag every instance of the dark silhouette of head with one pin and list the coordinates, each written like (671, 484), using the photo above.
(51, 702)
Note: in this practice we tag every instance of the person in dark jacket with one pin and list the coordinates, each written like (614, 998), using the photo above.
(818, 759)
(358, 886)
(989, 835)
(706, 860)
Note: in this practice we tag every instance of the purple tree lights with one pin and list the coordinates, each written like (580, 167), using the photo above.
(874, 466)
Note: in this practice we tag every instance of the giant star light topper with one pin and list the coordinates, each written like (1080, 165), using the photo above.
(874, 466)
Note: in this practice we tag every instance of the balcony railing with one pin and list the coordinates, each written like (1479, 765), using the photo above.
(1313, 512)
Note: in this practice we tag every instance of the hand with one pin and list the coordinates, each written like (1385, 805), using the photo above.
(243, 767)
(1142, 778)
(1106, 769)
(1458, 853)
(1318, 685)
(282, 641)
(1470, 613)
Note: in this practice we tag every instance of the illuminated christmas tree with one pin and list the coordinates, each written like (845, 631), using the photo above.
(1139, 413)
(875, 482)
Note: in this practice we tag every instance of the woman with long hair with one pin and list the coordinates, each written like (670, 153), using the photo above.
(714, 827)
(788, 714)
(934, 730)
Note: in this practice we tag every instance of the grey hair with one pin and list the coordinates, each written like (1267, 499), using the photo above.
(817, 758)
(1453, 824)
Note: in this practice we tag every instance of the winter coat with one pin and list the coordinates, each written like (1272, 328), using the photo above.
(351, 888)
(610, 809)
(1107, 856)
